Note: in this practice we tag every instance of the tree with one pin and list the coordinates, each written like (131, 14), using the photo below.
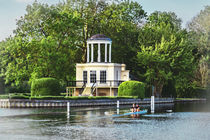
(199, 26)
(165, 52)
(120, 21)
(44, 45)
(49, 40)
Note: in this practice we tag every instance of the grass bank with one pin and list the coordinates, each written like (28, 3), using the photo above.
(61, 97)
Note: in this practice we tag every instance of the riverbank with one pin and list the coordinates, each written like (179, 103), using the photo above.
(190, 100)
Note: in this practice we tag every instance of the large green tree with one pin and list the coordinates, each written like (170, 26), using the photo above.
(200, 28)
(49, 40)
(44, 45)
(119, 20)
(166, 53)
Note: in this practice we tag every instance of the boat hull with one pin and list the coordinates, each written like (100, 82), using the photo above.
(133, 113)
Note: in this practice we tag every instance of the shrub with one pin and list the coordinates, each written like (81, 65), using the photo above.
(15, 96)
(20, 96)
(45, 86)
(191, 91)
(63, 94)
(4, 96)
(132, 88)
(48, 97)
(23, 87)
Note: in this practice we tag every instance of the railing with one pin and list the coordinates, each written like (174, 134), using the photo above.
(93, 88)
(110, 83)
(82, 89)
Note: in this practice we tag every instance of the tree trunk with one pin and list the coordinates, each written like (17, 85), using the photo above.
(158, 90)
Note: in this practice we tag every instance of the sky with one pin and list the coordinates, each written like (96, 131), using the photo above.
(12, 10)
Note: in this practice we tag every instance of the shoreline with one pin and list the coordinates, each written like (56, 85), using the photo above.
(26, 103)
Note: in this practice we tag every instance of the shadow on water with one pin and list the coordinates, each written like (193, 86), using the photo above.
(193, 107)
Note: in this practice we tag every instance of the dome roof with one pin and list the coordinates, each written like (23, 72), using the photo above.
(99, 37)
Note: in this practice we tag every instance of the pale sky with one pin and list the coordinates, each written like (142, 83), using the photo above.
(11, 10)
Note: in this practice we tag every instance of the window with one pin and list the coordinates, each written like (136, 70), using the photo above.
(92, 76)
(85, 76)
(117, 75)
(102, 76)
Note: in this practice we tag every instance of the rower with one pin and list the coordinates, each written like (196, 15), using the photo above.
(137, 108)
(131, 109)
(134, 108)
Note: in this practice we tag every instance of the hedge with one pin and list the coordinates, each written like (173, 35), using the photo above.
(45, 86)
(81, 97)
(15, 96)
(192, 92)
(132, 88)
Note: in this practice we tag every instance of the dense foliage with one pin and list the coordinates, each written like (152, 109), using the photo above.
(199, 28)
(50, 39)
(45, 86)
(166, 53)
(132, 88)
(23, 87)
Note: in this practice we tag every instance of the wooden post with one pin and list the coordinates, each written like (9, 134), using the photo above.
(152, 104)
(68, 110)
(152, 101)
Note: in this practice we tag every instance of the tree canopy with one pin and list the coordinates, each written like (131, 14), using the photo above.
(165, 52)
(49, 40)
(200, 30)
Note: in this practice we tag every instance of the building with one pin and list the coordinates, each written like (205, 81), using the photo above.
(98, 76)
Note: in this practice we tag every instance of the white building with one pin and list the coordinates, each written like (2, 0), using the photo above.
(98, 76)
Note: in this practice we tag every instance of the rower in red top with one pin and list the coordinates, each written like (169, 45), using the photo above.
(137, 108)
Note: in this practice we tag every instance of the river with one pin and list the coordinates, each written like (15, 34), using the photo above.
(188, 121)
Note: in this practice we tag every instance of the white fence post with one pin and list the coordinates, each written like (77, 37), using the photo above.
(68, 110)
(152, 104)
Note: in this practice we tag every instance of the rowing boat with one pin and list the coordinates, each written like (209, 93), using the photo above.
(134, 113)
(131, 113)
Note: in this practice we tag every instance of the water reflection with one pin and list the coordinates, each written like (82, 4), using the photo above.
(187, 121)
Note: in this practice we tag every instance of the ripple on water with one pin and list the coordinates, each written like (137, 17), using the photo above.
(92, 124)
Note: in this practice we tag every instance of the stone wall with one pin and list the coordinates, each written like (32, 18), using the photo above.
(25, 103)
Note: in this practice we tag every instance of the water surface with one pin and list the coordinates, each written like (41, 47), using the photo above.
(189, 121)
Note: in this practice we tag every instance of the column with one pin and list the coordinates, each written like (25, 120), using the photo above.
(92, 53)
(105, 52)
(99, 52)
(88, 53)
(110, 49)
